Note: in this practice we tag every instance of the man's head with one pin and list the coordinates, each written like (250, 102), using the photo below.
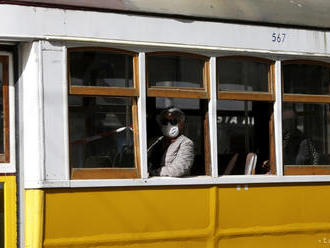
(172, 122)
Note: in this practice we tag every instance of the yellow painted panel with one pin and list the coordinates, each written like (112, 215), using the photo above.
(273, 205)
(88, 243)
(79, 213)
(10, 215)
(274, 241)
(34, 218)
(2, 224)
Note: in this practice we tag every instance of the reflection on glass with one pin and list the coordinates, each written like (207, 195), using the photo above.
(175, 71)
(2, 222)
(1, 111)
(306, 79)
(243, 137)
(101, 68)
(242, 75)
(101, 133)
(306, 134)
(193, 127)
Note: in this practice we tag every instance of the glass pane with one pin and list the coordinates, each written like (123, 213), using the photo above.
(101, 68)
(306, 79)
(242, 75)
(175, 71)
(101, 133)
(243, 137)
(192, 128)
(2, 221)
(306, 133)
(1, 111)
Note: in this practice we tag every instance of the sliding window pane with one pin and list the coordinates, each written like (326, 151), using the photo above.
(306, 79)
(175, 71)
(101, 68)
(306, 135)
(242, 75)
(101, 133)
(243, 133)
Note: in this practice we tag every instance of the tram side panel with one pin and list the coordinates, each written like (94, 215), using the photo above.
(230, 216)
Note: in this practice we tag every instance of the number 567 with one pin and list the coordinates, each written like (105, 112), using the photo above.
(279, 38)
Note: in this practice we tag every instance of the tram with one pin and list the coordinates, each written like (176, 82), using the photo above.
(83, 88)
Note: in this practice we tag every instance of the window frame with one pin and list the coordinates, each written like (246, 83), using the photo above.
(307, 170)
(188, 93)
(95, 91)
(5, 157)
(269, 96)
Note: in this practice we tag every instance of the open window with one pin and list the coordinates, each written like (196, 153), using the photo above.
(181, 81)
(103, 88)
(4, 110)
(306, 117)
(245, 116)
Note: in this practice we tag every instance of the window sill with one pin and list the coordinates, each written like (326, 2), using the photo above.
(171, 181)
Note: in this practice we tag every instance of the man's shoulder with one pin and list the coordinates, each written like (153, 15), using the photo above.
(186, 140)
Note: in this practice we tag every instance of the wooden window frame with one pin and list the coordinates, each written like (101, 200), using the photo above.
(305, 98)
(110, 173)
(255, 96)
(189, 93)
(5, 157)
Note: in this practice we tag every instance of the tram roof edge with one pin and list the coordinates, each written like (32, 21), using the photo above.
(300, 13)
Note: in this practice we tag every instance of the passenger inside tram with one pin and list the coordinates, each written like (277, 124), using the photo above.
(171, 154)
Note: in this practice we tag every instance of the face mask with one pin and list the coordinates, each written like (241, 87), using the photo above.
(170, 131)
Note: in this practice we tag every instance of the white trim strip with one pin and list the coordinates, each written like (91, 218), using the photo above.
(171, 181)
(66, 114)
(179, 46)
(278, 119)
(213, 118)
(142, 117)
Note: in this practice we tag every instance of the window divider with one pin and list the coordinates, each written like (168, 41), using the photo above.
(213, 118)
(103, 91)
(142, 116)
(255, 96)
(278, 119)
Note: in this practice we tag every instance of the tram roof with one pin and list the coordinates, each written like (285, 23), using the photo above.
(304, 13)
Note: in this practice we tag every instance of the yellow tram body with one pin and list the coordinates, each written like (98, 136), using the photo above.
(194, 216)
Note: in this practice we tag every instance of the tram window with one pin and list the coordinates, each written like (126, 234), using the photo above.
(101, 69)
(4, 110)
(101, 132)
(185, 89)
(243, 128)
(243, 75)
(306, 79)
(175, 71)
(103, 122)
(245, 116)
(306, 118)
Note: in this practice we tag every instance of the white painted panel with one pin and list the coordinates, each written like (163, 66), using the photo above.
(54, 94)
(213, 118)
(31, 111)
(114, 27)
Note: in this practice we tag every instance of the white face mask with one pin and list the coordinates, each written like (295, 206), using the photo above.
(170, 131)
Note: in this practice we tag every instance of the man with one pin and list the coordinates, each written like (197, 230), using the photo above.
(173, 153)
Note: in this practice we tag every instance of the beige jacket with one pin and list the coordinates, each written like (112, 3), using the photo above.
(178, 159)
